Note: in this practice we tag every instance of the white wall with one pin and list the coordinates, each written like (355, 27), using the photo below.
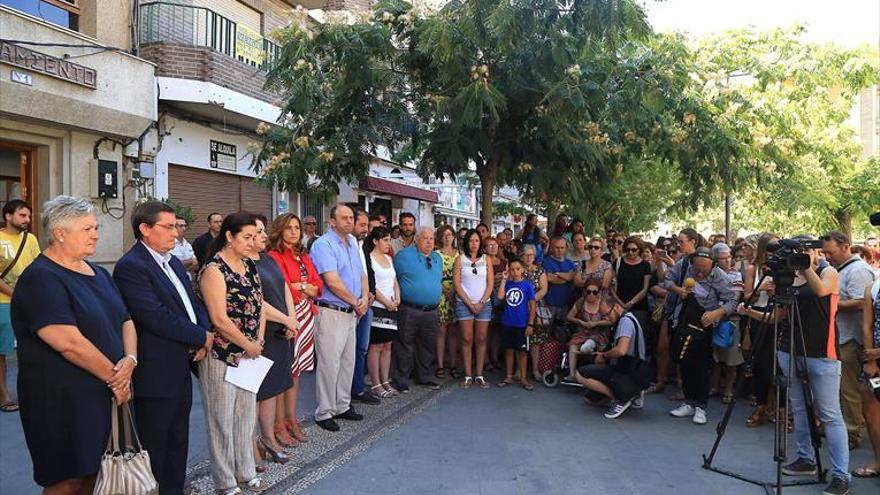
(189, 144)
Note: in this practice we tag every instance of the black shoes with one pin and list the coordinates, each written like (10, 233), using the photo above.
(328, 424)
(366, 398)
(350, 415)
(838, 486)
(429, 384)
(800, 467)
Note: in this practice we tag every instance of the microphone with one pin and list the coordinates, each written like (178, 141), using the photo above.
(875, 219)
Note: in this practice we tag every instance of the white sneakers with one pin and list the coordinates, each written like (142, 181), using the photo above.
(686, 410)
(699, 416)
(682, 411)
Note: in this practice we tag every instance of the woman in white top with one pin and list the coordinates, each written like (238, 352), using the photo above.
(383, 283)
(473, 278)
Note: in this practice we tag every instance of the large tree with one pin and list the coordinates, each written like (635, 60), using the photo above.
(556, 97)
(795, 98)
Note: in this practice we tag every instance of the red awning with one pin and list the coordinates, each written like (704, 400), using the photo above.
(386, 186)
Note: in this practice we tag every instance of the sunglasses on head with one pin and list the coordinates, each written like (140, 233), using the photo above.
(591, 292)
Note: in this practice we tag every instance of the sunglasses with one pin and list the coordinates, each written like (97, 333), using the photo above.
(673, 251)
(474, 268)
(632, 250)
(311, 223)
(428, 262)
(597, 248)
(617, 241)
(591, 292)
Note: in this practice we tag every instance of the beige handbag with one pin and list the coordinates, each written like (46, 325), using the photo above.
(125, 471)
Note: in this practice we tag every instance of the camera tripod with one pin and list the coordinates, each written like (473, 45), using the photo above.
(797, 368)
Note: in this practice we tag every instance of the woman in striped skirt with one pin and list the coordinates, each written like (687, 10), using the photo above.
(305, 285)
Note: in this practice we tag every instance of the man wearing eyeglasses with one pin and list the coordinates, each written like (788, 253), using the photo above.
(419, 272)
(183, 250)
(310, 229)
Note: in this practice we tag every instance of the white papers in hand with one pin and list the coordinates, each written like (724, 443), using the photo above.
(250, 373)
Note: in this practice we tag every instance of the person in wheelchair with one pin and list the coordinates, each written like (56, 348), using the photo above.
(592, 319)
(619, 375)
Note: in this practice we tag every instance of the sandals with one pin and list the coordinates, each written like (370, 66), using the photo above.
(380, 391)
(467, 382)
(387, 386)
(866, 472)
(527, 386)
(507, 381)
(9, 406)
(256, 485)
(481, 382)
(295, 431)
(440, 373)
(758, 417)
(284, 438)
(454, 373)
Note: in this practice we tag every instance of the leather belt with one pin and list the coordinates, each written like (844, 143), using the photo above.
(334, 307)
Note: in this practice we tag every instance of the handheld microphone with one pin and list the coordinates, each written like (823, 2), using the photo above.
(875, 219)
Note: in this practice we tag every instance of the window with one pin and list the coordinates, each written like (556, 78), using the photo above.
(64, 13)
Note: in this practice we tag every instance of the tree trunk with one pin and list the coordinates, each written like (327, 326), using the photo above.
(488, 174)
(844, 222)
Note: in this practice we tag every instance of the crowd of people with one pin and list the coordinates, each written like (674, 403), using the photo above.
(374, 309)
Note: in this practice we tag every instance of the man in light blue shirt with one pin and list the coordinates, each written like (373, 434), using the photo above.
(419, 272)
(344, 299)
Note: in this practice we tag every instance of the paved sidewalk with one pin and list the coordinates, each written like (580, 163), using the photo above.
(497, 441)
(509, 441)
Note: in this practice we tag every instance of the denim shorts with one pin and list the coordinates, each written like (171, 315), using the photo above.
(462, 312)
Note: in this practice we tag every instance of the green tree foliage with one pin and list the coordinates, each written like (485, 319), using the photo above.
(794, 99)
(557, 98)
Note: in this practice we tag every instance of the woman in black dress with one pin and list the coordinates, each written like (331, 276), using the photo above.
(77, 349)
(281, 326)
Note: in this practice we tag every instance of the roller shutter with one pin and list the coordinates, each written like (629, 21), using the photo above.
(205, 192)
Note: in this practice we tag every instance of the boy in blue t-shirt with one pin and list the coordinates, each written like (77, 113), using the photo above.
(517, 321)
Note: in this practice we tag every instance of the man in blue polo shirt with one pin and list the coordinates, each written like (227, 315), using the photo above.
(419, 273)
(344, 299)
(560, 274)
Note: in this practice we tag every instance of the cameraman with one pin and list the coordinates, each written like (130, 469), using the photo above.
(854, 274)
(816, 292)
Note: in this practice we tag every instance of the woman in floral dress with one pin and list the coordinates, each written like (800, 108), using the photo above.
(445, 241)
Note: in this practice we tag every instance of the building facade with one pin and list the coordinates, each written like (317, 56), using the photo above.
(75, 106)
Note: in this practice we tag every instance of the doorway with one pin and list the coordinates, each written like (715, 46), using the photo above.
(18, 170)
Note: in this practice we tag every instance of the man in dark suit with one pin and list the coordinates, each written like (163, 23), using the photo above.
(173, 329)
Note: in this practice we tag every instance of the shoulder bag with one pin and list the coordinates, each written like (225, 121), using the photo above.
(6, 270)
(632, 374)
(126, 470)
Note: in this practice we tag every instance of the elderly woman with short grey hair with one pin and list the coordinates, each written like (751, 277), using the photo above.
(77, 349)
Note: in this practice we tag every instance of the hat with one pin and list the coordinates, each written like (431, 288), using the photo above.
(720, 248)
(704, 252)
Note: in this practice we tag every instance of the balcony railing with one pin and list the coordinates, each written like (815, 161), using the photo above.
(198, 26)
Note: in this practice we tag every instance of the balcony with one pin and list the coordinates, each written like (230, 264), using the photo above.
(204, 59)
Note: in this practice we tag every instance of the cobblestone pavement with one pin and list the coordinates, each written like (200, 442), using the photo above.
(497, 441)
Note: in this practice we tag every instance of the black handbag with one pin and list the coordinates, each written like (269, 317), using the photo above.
(690, 342)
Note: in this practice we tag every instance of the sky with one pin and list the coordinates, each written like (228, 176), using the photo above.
(846, 22)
